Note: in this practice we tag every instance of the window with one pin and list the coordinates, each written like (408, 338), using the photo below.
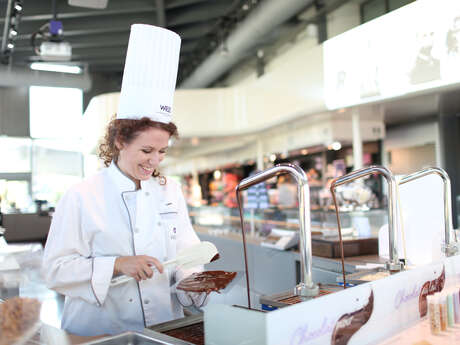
(372, 9)
(15, 153)
(57, 165)
(56, 128)
(55, 112)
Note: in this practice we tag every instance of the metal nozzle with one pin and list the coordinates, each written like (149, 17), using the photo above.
(394, 264)
(307, 287)
(449, 247)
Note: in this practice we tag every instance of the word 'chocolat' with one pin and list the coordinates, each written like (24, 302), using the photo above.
(207, 281)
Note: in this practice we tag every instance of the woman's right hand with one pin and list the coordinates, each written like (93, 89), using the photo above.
(138, 266)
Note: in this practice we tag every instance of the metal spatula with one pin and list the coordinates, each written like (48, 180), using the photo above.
(199, 254)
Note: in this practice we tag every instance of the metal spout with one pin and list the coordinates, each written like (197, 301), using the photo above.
(306, 287)
(449, 247)
(393, 264)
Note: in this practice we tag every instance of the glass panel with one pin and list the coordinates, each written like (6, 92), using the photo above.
(56, 167)
(15, 196)
(15, 154)
(395, 4)
(55, 112)
(373, 9)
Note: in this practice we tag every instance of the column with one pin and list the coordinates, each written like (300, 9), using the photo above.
(357, 142)
(260, 155)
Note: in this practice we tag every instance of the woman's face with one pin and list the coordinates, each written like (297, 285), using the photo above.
(143, 154)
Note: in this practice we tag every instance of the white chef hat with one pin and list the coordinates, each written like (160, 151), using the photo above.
(150, 74)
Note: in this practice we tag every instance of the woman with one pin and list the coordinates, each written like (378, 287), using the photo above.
(126, 219)
(123, 220)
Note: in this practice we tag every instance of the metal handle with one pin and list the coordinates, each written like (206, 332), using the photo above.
(306, 287)
(394, 264)
(450, 248)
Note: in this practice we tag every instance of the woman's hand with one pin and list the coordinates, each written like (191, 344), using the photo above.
(138, 266)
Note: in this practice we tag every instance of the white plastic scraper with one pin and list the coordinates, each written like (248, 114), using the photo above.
(199, 254)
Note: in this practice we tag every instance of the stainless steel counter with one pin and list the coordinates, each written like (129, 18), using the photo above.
(146, 337)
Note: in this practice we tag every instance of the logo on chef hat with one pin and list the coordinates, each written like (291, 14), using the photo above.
(150, 74)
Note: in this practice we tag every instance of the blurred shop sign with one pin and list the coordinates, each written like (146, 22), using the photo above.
(409, 50)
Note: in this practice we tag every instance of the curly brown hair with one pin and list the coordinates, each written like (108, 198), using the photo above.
(125, 131)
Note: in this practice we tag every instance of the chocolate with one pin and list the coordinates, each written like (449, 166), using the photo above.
(207, 281)
(347, 325)
(215, 257)
(339, 227)
(192, 333)
(240, 207)
(430, 288)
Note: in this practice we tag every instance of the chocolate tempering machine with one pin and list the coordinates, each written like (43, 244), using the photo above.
(307, 288)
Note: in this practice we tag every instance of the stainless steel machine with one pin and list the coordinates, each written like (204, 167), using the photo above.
(300, 294)
(306, 288)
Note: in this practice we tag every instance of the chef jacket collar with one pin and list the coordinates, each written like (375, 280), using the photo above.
(124, 183)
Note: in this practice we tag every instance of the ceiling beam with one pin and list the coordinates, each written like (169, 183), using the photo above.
(182, 3)
(89, 23)
(199, 13)
(88, 51)
(116, 39)
(86, 14)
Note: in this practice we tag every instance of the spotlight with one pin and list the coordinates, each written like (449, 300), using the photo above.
(18, 7)
(335, 146)
(13, 33)
(272, 157)
(217, 174)
(10, 45)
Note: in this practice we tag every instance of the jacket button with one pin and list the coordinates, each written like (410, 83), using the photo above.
(146, 301)
(130, 300)
(159, 223)
(136, 230)
(147, 193)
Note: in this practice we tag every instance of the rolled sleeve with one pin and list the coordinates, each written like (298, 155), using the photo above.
(101, 277)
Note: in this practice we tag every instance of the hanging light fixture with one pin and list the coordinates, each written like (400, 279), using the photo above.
(10, 31)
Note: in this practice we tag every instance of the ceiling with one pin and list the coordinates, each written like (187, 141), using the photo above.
(99, 37)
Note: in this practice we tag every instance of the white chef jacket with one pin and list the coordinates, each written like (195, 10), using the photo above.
(98, 220)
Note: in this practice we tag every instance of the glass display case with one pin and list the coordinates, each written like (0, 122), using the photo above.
(267, 226)
(262, 221)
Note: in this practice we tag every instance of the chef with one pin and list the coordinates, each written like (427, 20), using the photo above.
(128, 218)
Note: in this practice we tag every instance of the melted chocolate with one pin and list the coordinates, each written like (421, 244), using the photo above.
(207, 281)
(192, 333)
(429, 288)
(342, 255)
(347, 325)
(240, 207)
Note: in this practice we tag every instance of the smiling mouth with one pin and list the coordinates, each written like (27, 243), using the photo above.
(147, 170)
